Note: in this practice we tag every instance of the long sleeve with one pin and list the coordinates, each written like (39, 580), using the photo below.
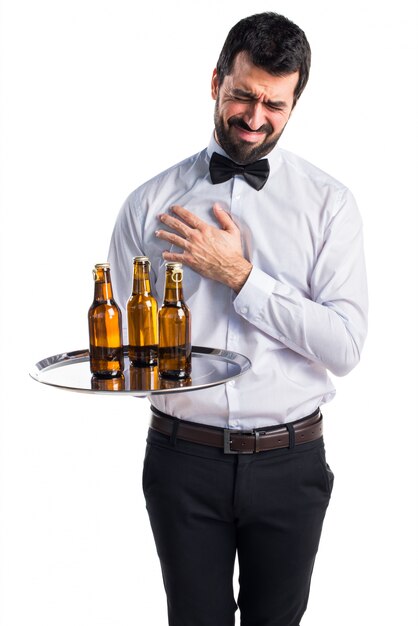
(330, 326)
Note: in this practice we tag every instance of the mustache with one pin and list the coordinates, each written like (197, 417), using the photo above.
(239, 122)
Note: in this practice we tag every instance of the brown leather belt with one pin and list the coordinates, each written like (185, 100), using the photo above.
(240, 441)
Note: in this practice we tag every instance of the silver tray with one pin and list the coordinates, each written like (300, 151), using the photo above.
(71, 371)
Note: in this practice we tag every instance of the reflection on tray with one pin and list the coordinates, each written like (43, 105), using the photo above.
(165, 383)
(140, 379)
(143, 377)
(108, 384)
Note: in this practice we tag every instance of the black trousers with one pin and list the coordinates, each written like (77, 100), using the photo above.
(206, 506)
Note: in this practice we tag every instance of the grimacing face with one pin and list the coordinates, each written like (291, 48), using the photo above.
(252, 109)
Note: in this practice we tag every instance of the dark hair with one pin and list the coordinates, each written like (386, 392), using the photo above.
(273, 43)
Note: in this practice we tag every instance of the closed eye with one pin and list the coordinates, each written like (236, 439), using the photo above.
(244, 96)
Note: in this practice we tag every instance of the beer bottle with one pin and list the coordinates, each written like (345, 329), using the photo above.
(142, 311)
(105, 327)
(174, 321)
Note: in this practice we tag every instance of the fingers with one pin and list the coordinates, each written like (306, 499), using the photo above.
(177, 225)
(190, 221)
(190, 230)
(188, 217)
(176, 257)
(224, 219)
(172, 238)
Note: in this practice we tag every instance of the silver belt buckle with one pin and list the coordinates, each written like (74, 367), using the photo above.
(227, 440)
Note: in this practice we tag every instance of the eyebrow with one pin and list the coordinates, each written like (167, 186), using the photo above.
(241, 93)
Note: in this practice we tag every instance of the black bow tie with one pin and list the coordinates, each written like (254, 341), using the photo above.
(222, 169)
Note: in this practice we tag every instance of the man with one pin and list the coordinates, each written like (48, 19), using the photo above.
(274, 269)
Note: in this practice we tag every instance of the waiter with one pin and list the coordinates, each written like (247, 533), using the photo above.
(274, 269)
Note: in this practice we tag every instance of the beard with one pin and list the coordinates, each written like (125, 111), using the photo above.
(243, 152)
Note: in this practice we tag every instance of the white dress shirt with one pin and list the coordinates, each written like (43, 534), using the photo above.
(301, 312)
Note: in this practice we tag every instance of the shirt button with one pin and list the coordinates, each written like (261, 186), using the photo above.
(244, 310)
(231, 383)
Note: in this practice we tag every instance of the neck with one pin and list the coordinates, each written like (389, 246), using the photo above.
(141, 283)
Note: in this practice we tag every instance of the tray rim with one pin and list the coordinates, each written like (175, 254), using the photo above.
(78, 356)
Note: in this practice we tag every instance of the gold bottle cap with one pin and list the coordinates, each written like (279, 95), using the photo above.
(141, 259)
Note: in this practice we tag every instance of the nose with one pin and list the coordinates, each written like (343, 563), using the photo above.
(254, 115)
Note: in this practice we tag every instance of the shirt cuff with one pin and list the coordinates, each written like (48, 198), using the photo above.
(253, 296)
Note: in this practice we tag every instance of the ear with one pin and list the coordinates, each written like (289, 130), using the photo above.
(214, 84)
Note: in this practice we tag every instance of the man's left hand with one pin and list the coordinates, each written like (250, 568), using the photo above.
(215, 253)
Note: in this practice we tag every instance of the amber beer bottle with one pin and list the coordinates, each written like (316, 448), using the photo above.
(142, 312)
(174, 321)
(105, 327)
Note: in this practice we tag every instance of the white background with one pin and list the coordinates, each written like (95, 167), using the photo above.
(96, 97)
